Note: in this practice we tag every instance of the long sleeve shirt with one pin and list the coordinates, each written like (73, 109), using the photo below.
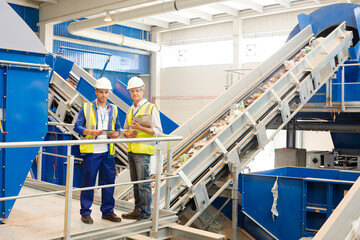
(80, 124)
(155, 123)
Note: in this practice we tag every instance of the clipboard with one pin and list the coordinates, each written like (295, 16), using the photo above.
(143, 120)
(107, 131)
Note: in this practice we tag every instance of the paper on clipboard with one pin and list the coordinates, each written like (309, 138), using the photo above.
(143, 120)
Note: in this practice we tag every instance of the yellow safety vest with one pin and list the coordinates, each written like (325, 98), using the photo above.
(89, 111)
(146, 147)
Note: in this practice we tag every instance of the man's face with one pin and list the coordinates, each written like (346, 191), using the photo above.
(137, 94)
(102, 95)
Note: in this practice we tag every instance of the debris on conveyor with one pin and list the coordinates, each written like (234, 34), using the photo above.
(237, 108)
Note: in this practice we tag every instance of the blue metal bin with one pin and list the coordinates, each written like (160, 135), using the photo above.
(306, 198)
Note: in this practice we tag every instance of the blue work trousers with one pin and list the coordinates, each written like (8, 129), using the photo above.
(139, 170)
(105, 165)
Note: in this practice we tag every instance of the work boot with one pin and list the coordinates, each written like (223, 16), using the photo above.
(131, 215)
(140, 218)
(87, 219)
(112, 217)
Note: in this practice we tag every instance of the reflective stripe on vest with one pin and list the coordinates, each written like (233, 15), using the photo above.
(89, 111)
(146, 147)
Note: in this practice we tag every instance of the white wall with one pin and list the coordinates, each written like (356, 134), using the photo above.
(317, 141)
(187, 88)
(197, 34)
(210, 80)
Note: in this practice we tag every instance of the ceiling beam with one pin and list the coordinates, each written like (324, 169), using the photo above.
(252, 5)
(200, 14)
(177, 18)
(137, 25)
(269, 10)
(285, 3)
(49, 1)
(66, 10)
(231, 11)
(153, 22)
(24, 3)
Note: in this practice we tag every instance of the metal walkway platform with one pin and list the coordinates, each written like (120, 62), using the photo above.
(43, 218)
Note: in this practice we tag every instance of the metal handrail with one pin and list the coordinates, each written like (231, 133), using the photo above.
(78, 142)
(25, 64)
(70, 172)
(59, 155)
(83, 189)
(329, 100)
(61, 124)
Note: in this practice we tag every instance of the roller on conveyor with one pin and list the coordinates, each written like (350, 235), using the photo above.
(242, 135)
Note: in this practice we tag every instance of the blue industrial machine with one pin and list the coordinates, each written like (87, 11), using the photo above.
(307, 197)
(24, 80)
(335, 107)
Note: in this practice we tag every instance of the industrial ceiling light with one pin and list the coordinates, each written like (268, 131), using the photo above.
(107, 17)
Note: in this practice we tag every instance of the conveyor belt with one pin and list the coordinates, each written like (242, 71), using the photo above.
(243, 135)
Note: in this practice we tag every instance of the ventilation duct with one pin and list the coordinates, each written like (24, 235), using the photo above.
(85, 28)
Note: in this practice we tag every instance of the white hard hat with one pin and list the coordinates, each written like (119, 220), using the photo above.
(103, 83)
(135, 82)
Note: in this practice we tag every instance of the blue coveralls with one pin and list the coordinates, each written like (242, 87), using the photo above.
(97, 162)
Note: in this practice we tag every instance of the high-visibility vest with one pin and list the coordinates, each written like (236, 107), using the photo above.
(146, 147)
(89, 114)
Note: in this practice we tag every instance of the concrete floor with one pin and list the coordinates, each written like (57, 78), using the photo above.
(43, 218)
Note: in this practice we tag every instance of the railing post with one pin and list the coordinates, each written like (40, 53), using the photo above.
(155, 219)
(343, 89)
(329, 93)
(39, 164)
(68, 193)
(168, 171)
(234, 196)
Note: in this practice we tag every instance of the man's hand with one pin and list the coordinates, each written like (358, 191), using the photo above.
(130, 134)
(95, 132)
(135, 125)
(114, 135)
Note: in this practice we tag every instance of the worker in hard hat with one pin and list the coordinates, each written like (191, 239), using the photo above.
(98, 120)
(139, 153)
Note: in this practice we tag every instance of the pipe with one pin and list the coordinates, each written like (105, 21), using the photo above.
(85, 28)
(118, 39)
(290, 134)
